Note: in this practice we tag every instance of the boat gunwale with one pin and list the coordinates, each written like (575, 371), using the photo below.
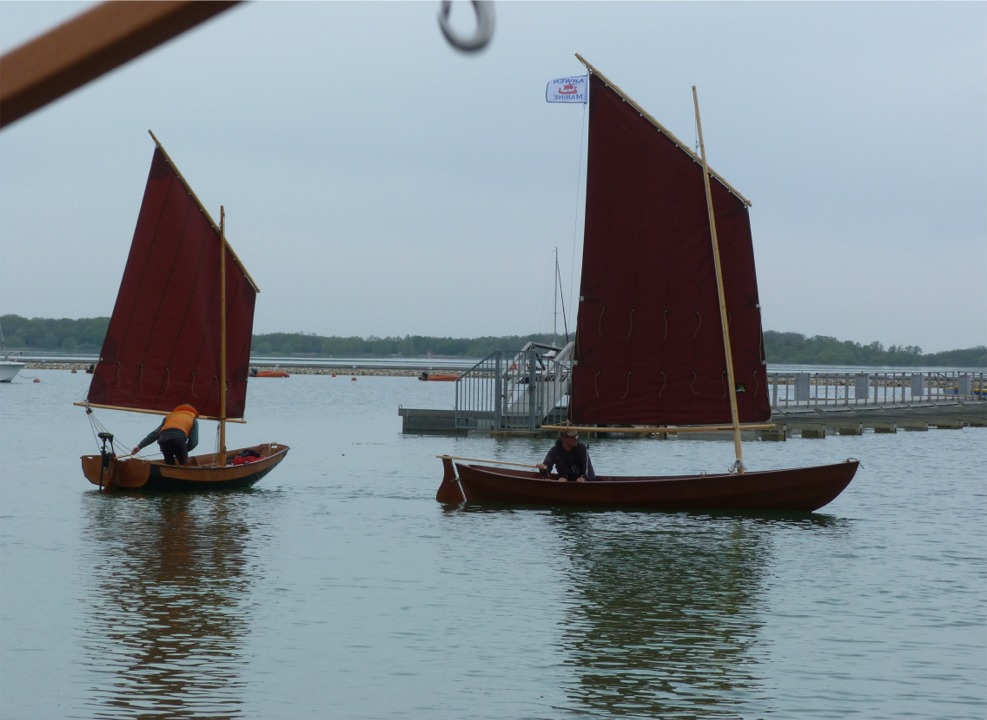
(625, 479)
(154, 475)
(806, 489)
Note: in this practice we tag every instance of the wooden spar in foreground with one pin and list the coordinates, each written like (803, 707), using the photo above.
(80, 50)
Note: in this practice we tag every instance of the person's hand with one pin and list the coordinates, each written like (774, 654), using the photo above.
(135, 450)
(580, 479)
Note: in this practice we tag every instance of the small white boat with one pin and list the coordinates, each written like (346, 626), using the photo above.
(9, 369)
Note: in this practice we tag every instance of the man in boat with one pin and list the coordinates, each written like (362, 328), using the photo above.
(570, 457)
(177, 435)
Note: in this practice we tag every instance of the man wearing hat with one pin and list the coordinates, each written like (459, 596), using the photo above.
(570, 457)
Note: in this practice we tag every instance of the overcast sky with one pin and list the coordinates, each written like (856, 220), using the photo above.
(379, 183)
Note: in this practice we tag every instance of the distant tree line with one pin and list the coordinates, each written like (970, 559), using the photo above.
(790, 348)
(408, 346)
(54, 334)
(85, 336)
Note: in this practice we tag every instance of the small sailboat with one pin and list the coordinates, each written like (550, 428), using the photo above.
(180, 334)
(668, 329)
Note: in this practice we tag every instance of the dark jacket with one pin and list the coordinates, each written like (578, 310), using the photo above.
(570, 465)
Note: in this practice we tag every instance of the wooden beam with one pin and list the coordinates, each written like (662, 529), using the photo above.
(89, 45)
(656, 429)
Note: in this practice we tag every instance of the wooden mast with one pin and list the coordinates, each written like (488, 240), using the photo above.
(221, 457)
(724, 320)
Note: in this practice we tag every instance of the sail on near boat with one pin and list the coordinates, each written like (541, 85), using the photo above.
(668, 328)
(180, 333)
(649, 343)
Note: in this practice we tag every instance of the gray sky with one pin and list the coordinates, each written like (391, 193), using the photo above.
(377, 182)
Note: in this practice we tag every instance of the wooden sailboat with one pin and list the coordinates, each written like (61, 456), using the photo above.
(668, 330)
(180, 334)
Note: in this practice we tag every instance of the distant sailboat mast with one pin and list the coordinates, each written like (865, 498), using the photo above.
(555, 300)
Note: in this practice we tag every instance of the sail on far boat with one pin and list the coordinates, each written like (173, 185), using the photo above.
(668, 329)
(180, 334)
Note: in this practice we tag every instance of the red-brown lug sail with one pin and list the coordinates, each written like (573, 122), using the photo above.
(649, 345)
(163, 342)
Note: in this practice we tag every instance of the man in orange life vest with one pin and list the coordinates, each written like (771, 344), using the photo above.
(177, 435)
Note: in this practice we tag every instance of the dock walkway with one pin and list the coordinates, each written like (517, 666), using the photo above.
(807, 405)
(854, 420)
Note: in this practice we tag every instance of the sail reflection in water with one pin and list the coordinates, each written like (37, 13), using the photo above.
(666, 612)
(169, 605)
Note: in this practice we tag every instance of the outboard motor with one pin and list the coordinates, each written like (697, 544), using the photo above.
(107, 455)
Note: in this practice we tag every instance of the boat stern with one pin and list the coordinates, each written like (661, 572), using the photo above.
(109, 473)
(450, 491)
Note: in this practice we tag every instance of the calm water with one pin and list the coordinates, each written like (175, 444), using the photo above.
(338, 588)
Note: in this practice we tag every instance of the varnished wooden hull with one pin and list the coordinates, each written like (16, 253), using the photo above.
(795, 489)
(137, 474)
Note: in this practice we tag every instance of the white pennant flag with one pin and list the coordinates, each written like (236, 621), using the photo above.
(568, 90)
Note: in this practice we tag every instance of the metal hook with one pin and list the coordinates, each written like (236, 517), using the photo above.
(484, 26)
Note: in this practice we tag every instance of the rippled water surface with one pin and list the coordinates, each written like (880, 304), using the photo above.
(339, 588)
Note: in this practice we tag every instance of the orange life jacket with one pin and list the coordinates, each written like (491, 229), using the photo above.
(181, 418)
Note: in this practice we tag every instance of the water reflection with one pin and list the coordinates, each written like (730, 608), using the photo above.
(665, 610)
(168, 604)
